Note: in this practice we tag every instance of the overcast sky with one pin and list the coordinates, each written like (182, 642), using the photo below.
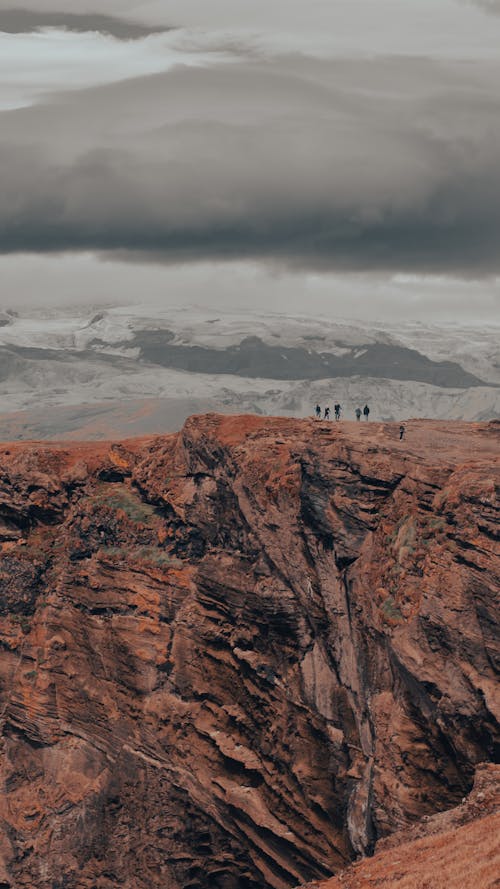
(336, 156)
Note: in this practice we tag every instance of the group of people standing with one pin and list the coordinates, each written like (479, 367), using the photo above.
(338, 410)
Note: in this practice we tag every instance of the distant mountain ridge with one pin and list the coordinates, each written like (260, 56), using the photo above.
(255, 358)
(140, 370)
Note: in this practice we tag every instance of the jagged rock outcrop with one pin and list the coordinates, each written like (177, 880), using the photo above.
(237, 656)
(457, 849)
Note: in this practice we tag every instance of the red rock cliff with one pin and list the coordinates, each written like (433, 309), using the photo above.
(235, 657)
(457, 849)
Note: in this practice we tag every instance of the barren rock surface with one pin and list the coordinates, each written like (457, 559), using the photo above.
(458, 849)
(238, 656)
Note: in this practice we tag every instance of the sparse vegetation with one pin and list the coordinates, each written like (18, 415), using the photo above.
(436, 523)
(22, 621)
(391, 610)
(151, 554)
(119, 497)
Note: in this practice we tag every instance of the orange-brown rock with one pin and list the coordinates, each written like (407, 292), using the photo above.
(237, 656)
(458, 849)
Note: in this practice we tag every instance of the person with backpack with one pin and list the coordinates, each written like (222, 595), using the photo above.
(358, 413)
(337, 410)
(366, 411)
(318, 412)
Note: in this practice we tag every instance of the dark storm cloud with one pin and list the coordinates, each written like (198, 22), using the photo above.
(384, 164)
(23, 21)
(488, 5)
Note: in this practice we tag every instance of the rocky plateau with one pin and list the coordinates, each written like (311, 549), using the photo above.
(248, 654)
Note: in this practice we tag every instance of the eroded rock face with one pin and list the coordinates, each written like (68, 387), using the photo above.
(237, 656)
(458, 848)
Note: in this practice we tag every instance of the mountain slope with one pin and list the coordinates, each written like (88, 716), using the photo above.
(252, 357)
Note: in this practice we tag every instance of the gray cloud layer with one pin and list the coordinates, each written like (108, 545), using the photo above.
(22, 21)
(488, 5)
(385, 164)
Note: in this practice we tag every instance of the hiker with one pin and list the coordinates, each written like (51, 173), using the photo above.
(358, 413)
(366, 411)
(327, 413)
(318, 412)
(337, 411)
(401, 432)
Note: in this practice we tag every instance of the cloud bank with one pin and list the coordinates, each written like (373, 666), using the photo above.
(492, 6)
(315, 164)
(289, 151)
(24, 21)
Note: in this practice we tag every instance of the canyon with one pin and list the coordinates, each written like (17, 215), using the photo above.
(247, 654)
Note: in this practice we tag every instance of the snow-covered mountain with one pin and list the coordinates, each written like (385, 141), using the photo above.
(127, 370)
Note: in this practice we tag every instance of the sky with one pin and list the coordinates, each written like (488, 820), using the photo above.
(340, 157)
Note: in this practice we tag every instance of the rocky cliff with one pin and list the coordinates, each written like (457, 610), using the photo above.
(457, 849)
(237, 656)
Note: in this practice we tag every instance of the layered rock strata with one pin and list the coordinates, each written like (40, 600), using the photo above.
(237, 656)
(457, 849)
